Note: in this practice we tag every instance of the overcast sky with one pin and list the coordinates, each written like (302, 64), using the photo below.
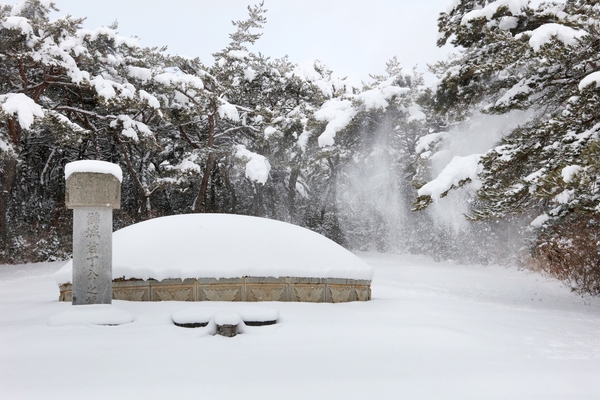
(352, 37)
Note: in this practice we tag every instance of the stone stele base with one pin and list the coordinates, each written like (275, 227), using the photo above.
(251, 289)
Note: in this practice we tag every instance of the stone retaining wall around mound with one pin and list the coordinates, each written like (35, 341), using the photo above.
(311, 290)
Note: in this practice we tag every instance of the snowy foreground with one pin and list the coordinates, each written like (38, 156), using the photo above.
(432, 331)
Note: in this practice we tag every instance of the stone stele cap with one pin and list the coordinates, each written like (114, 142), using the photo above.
(93, 189)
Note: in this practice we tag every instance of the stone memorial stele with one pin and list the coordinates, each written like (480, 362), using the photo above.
(93, 190)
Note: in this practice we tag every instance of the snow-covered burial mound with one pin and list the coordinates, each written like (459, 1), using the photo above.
(226, 246)
(223, 246)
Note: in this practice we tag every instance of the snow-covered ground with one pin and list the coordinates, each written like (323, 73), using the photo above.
(432, 331)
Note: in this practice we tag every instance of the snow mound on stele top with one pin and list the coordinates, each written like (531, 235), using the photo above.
(226, 246)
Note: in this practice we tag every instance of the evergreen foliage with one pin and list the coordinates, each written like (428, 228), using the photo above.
(266, 137)
(244, 135)
(545, 60)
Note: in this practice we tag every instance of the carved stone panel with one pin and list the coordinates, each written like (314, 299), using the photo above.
(308, 294)
(131, 294)
(66, 295)
(266, 292)
(172, 293)
(362, 293)
(339, 294)
(219, 293)
(312, 290)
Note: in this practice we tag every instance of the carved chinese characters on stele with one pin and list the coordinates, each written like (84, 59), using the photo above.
(93, 191)
(92, 255)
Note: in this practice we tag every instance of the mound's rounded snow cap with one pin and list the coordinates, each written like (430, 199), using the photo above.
(226, 246)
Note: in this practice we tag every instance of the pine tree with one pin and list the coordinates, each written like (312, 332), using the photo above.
(543, 60)
(67, 95)
(366, 153)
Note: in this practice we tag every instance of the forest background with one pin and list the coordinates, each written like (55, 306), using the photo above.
(497, 162)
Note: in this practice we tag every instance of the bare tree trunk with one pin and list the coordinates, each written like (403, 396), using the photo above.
(145, 207)
(7, 178)
(200, 202)
(330, 204)
(291, 196)
(8, 172)
(259, 207)
(228, 184)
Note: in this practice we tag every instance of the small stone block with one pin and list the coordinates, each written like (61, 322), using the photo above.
(192, 324)
(227, 323)
(265, 279)
(307, 281)
(176, 281)
(227, 330)
(220, 281)
(192, 317)
(91, 189)
(258, 316)
(122, 282)
(339, 281)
